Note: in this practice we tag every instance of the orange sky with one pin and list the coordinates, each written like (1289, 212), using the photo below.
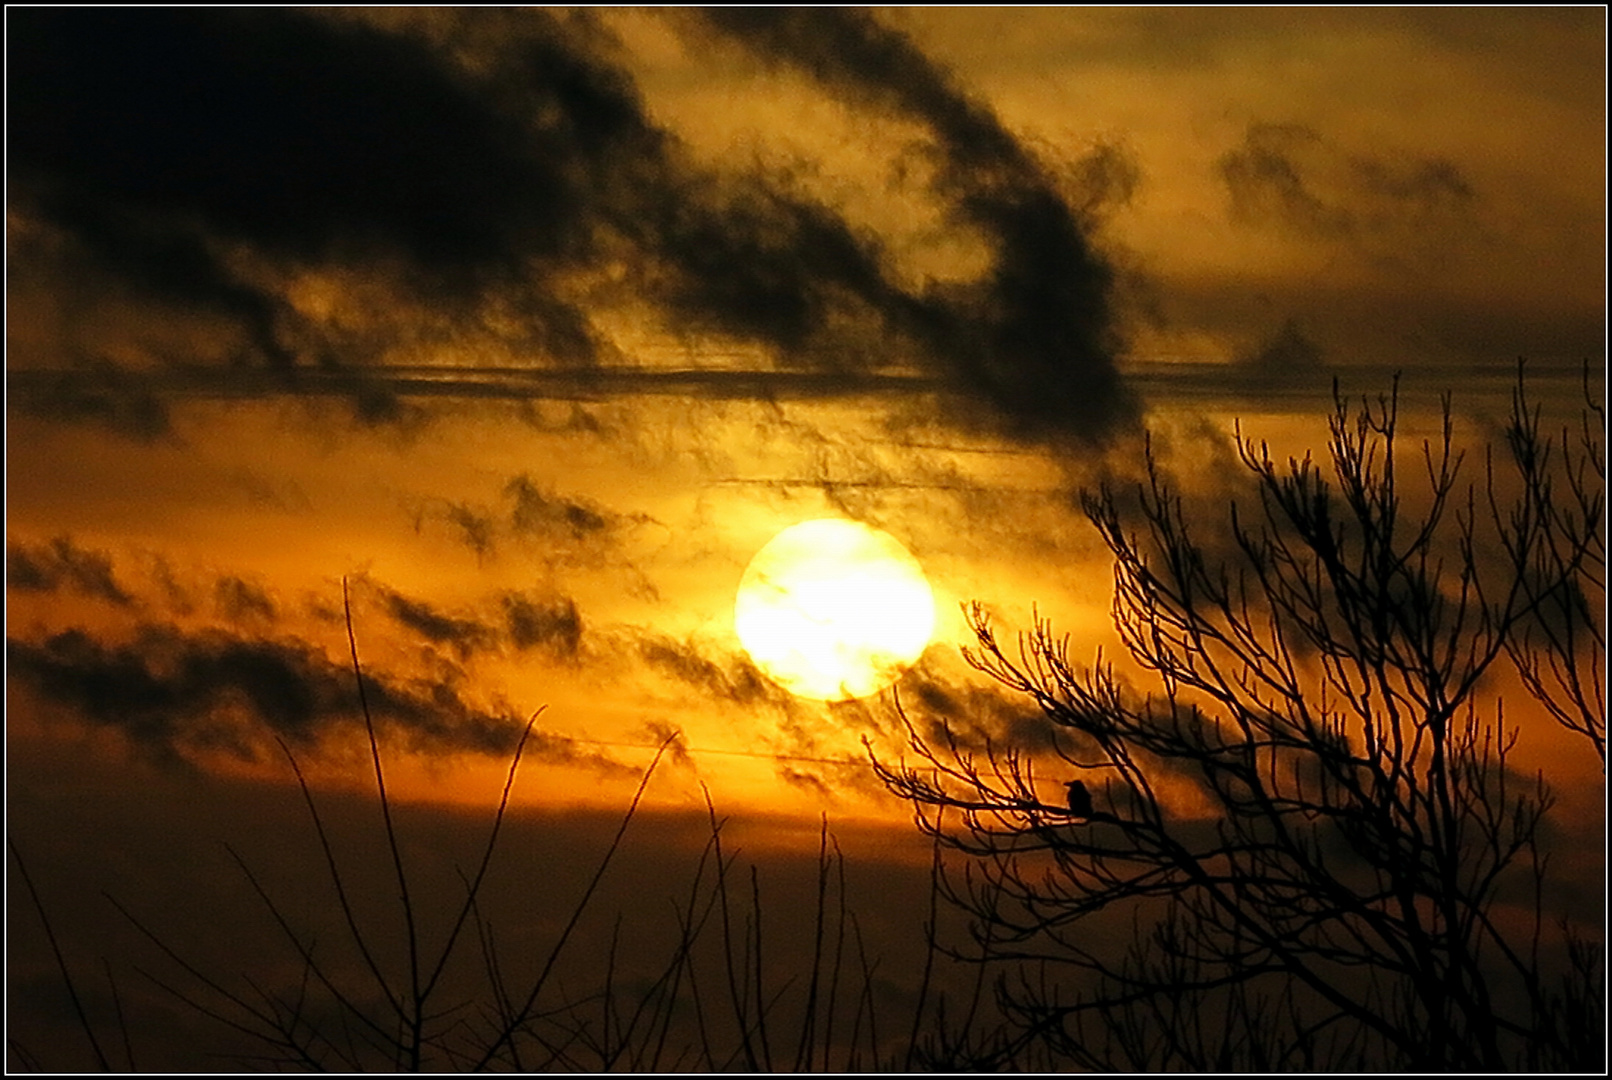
(535, 326)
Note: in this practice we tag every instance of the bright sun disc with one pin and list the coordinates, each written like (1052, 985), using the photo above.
(833, 609)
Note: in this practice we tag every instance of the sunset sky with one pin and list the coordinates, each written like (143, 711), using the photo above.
(535, 326)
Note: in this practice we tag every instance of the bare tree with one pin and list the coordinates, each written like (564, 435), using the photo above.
(1556, 538)
(1307, 847)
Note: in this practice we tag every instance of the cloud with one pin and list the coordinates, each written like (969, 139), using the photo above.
(974, 714)
(550, 623)
(98, 393)
(314, 138)
(241, 601)
(1035, 337)
(1265, 181)
(665, 733)
(474, 527)
(209, 156)
(464, 635)
(807, 781)
(62, 564)
(537, 513)
(734, 679)
(558, 529)
(1400, 208)
(349, 188)
(182, 694)
(1288, 355)
(554, 624)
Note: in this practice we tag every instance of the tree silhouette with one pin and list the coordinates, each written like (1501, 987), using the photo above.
(1309, 849)
(1559, 555)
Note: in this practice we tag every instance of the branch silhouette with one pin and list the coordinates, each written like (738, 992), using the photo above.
(1346, 894)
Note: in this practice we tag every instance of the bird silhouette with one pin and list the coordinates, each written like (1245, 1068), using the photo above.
(1079, 799)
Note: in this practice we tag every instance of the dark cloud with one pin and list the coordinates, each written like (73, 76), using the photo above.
(242, 601)
(665, 733)
(174, 595)
(1035, 337)
(566, 529)
(62, 564)
(807, 781)
(1104, 179)
(179, 694)
(166, 144)
(464, 635)
(735, 679)
(1287, 355)
(1398, 208)
(484, 163)
(1266, 183)
(536, 512)
(553, 624)
(95, 392)
(311, 138)
(975, 714)
(474, 527)
(273, 493)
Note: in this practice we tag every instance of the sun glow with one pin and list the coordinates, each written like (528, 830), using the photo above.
(833, 609)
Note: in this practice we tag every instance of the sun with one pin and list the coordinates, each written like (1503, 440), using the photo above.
(833, 609)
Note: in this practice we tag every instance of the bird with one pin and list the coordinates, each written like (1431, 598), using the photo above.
(1079, 799)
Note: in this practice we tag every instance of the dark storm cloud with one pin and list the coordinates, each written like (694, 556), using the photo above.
(62, 564)
(178, 693)
(490, 157)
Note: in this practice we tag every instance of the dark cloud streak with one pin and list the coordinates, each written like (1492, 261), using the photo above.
(181, 694)
(464, 635)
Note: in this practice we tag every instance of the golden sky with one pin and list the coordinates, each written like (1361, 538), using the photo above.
(535, 326)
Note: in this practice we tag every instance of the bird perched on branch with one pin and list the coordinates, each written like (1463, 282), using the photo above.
(1079, 799)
